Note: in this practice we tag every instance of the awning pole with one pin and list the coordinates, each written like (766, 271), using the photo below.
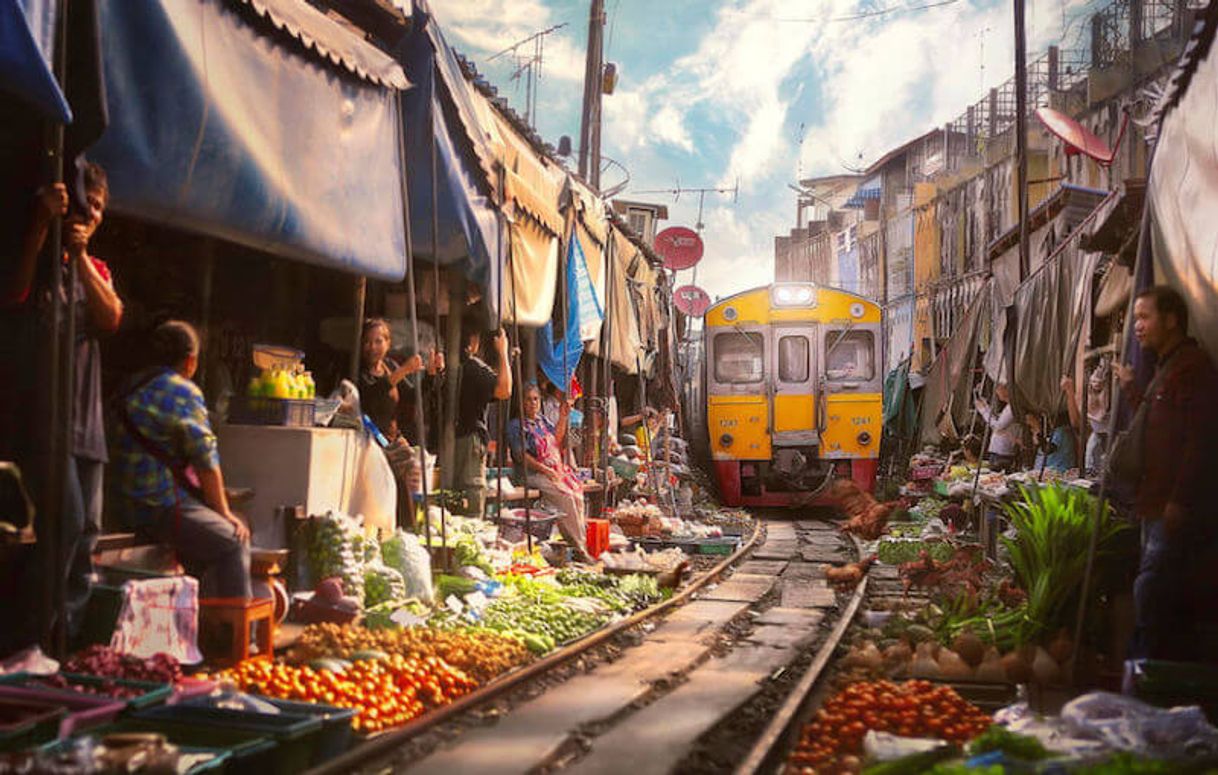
(435, 263)
(500, 414)
(360, 302)
(528, 508)
(607, 362)
(53, 495)
(405, 187)
(1101, 501)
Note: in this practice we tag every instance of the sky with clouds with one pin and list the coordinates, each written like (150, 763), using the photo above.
(759, 93)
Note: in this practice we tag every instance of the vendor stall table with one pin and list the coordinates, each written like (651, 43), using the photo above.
(322, 469)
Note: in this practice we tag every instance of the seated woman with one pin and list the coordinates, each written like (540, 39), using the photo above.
(1056, 451)
(168, 468)
(538, 450)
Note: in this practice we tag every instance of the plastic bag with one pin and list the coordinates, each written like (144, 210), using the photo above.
(336, 548)
(30, 660)
(1130, 725)
(884, 746)
(406, 555)
(382, 584)
(228, 697)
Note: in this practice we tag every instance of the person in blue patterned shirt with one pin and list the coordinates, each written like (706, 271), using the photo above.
(167, 468)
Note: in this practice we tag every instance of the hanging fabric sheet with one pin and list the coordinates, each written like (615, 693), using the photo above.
(280, 135)
(1183, 187)
(1049, 313)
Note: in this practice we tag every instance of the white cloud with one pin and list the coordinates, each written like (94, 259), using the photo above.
(668, 125)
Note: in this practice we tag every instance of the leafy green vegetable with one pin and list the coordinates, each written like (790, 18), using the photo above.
(999, 738)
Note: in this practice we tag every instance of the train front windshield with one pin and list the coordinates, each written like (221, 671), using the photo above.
(739, 357)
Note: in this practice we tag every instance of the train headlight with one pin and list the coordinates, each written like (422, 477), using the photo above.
(726, 440)
(864, 439)
(793, 295)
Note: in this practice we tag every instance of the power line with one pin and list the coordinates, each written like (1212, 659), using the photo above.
(848, 18)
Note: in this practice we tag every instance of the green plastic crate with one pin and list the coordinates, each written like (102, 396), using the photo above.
(296, 736)
(216, 764)
(245, 751)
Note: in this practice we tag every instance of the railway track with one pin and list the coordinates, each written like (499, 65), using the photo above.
(713, 680)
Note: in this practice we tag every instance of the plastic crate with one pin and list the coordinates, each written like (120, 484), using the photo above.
(245, 751)
(336, 733)
(25, 723)
(101, 615)
(215, 764)
(296, 736)
(83, 710)
(512, 528)
(287, 412)
(150, 693)
(717, 546)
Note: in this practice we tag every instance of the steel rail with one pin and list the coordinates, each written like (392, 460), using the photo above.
(787, 717)
(384, 744)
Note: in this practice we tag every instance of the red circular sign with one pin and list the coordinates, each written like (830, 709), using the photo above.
(680, 247)
(691, 300)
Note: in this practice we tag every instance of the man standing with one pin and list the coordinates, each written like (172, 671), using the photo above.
(1175, 496)
(478, 385)
(98, 312)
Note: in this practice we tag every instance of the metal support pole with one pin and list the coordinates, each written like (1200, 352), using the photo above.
(53, 493)
(1021, 132)
(361, 300)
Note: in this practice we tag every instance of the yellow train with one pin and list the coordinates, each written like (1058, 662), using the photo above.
(793, 380)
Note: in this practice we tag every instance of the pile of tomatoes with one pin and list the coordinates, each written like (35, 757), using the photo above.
(833, 741)
(385, 693)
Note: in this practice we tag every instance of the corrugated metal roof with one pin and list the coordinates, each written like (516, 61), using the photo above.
(331, 41)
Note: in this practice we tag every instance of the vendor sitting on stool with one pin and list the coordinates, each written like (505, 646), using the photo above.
(536, 449)
(168, 468)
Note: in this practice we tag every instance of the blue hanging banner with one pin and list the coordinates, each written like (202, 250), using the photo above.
(581, 306)
(590, 312)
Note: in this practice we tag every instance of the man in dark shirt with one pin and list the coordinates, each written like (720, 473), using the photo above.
(1175, 497)
(99, 310)
(479, 384)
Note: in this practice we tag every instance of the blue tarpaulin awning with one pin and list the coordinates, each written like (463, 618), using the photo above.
(468, 232)
(262, 122)
(26, 28)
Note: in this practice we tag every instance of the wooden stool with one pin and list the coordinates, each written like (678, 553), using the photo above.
(240, 615)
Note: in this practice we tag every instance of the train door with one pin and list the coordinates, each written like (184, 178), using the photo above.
(793, 385)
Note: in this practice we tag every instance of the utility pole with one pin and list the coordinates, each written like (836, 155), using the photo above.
(590, 120)
(1021, 133)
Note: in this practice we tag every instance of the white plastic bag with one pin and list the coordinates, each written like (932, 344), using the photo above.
(407, 556)
(1131, 725)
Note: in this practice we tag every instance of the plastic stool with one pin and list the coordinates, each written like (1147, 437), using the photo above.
(242, 617)
(598, 536)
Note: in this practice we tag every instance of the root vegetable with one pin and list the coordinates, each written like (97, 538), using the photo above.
(1044, 669)
(952, 667)
(924, 664)
(991, 670)
(1017, 667)
(969, 647)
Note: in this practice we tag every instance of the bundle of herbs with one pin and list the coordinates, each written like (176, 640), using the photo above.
(1048, 555)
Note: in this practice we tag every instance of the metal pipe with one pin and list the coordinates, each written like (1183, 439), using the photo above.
(53, 496)
(405, 188)
(435, 263)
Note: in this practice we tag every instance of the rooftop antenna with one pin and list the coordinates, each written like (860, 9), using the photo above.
(529, 67)
(701, 192)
